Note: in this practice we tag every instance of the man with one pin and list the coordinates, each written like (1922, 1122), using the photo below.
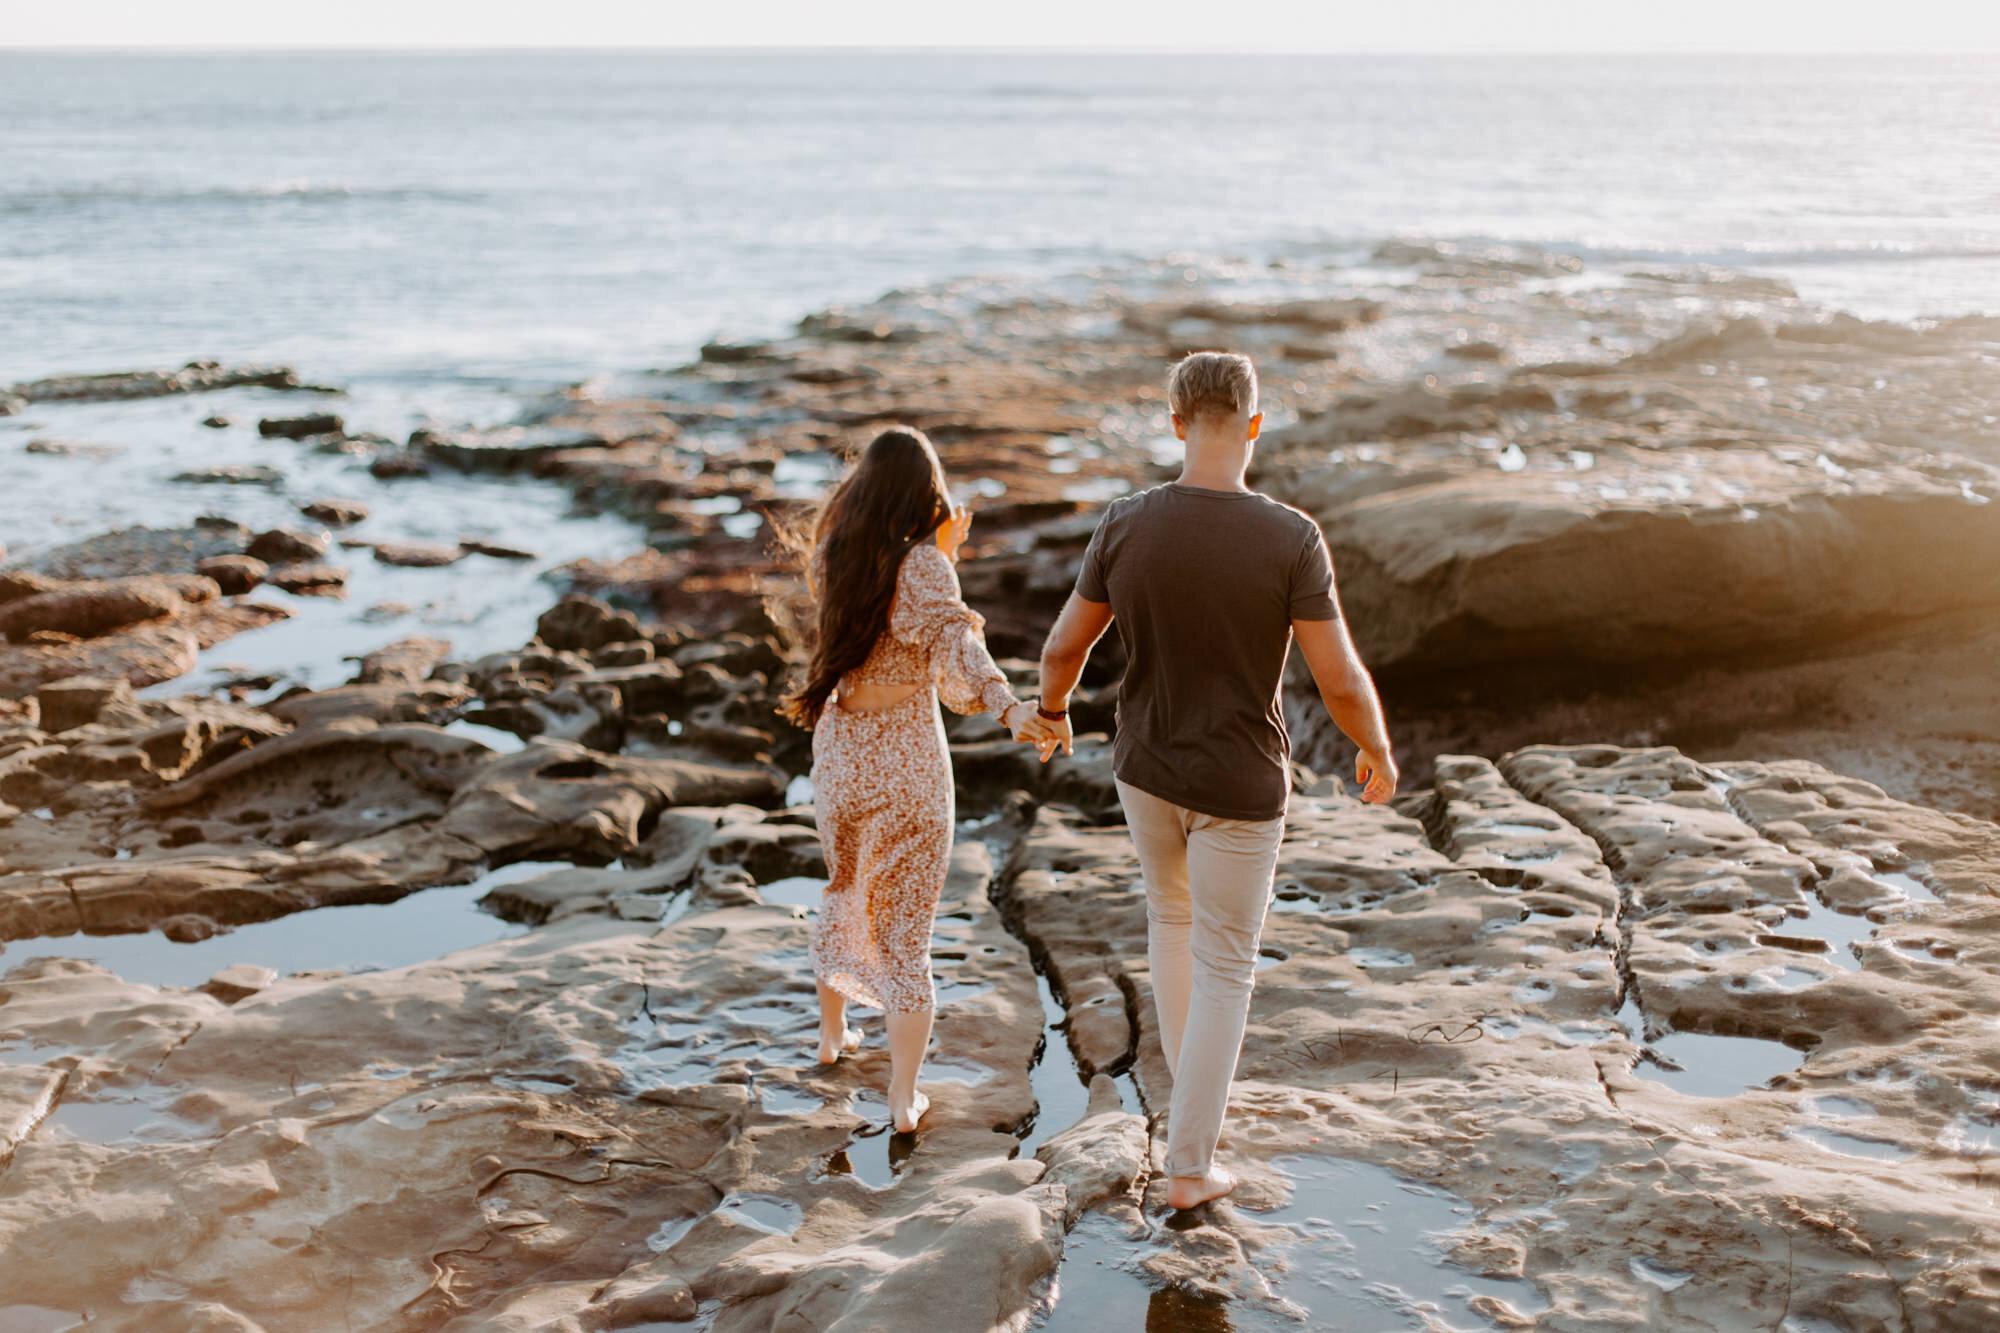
(1209, 582)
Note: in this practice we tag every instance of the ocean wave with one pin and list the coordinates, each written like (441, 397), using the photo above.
(1747, 257)
(1048, 92)
(292, 191)
(1750, 257)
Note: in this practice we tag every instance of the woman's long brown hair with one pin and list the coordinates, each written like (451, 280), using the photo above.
(894, 498)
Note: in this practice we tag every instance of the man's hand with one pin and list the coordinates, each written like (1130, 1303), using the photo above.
(951, 534)
(1059, 737)
(1377, 775)
(1349, 694)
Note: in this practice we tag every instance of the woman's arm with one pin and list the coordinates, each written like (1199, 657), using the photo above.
(930, 612)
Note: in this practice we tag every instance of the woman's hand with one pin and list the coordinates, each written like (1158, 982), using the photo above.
(951, 534)
(1031, 728)
(1377, 775)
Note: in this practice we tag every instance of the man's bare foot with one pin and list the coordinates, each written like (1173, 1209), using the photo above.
(1193, 1191)
(905, 1118)
(830, 1051)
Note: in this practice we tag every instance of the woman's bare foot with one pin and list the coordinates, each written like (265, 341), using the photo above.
(905, 1118)
(1193, 1191)
(830, 1050)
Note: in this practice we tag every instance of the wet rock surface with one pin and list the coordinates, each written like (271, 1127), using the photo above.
(469, 990)
(194, 377)
(1529, 1000)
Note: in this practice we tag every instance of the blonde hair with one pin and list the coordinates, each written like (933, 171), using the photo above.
(1205, 382)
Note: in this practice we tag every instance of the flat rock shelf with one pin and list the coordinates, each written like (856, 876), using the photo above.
(1456, 1102)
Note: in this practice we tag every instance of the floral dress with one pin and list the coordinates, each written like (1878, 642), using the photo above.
(883, 788)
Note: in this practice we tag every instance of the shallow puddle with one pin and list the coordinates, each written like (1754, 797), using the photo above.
(961, 1072)
(1570, 1032)
(1656, 1274)
(672, 1064)
(1774, 980)
(1712, 1066)
(124, 1121)
(675, 1051)
(1530, 856)
(800, 891)
(1801, 1323)
(1843, 932)
(779, 1099)
(1061, 1095)
(36, 1319)
(774, 1016)
(766, 1212)
(762, 1212)
(1518, 828)
(1972, 1136)
(1577, 1160)
(493, 738)
(28, 1051)
(1907, 884)
(949, 992)
(1366, 1255)
(1851, 1145)
(875, 1157)
(1099, 1289)
(362, 937)
(1369, 1252)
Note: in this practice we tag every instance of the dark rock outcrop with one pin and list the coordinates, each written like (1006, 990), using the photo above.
(300, 427)
(284, 546)
(194, 377)
(335, 513)
(234, 574)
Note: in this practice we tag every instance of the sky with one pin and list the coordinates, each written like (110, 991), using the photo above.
(1849, 26)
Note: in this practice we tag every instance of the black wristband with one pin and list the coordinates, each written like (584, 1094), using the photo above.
(1051, 714)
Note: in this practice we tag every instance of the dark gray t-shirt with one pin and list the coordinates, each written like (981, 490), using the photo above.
(1204, 586)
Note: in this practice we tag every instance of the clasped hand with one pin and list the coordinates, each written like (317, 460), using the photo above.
(1031, 728)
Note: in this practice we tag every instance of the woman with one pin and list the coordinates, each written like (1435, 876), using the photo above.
(894, 638)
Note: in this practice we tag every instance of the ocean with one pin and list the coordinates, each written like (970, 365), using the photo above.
(470, 218)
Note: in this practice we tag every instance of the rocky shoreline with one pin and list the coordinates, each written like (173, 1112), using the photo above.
(1683, 597)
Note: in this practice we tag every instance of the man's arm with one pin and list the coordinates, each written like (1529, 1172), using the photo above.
(1077, 630)
(1349, 694)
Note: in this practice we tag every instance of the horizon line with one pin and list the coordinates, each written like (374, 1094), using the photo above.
(891, 48)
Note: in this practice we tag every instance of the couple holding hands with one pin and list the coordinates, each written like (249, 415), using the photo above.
(1209, 583)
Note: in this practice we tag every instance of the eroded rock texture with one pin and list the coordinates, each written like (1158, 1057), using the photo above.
(1688, 1041)
(1703, 1046)
(597, 1125)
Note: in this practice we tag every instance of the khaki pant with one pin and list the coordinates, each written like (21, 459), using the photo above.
(1208, 885)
